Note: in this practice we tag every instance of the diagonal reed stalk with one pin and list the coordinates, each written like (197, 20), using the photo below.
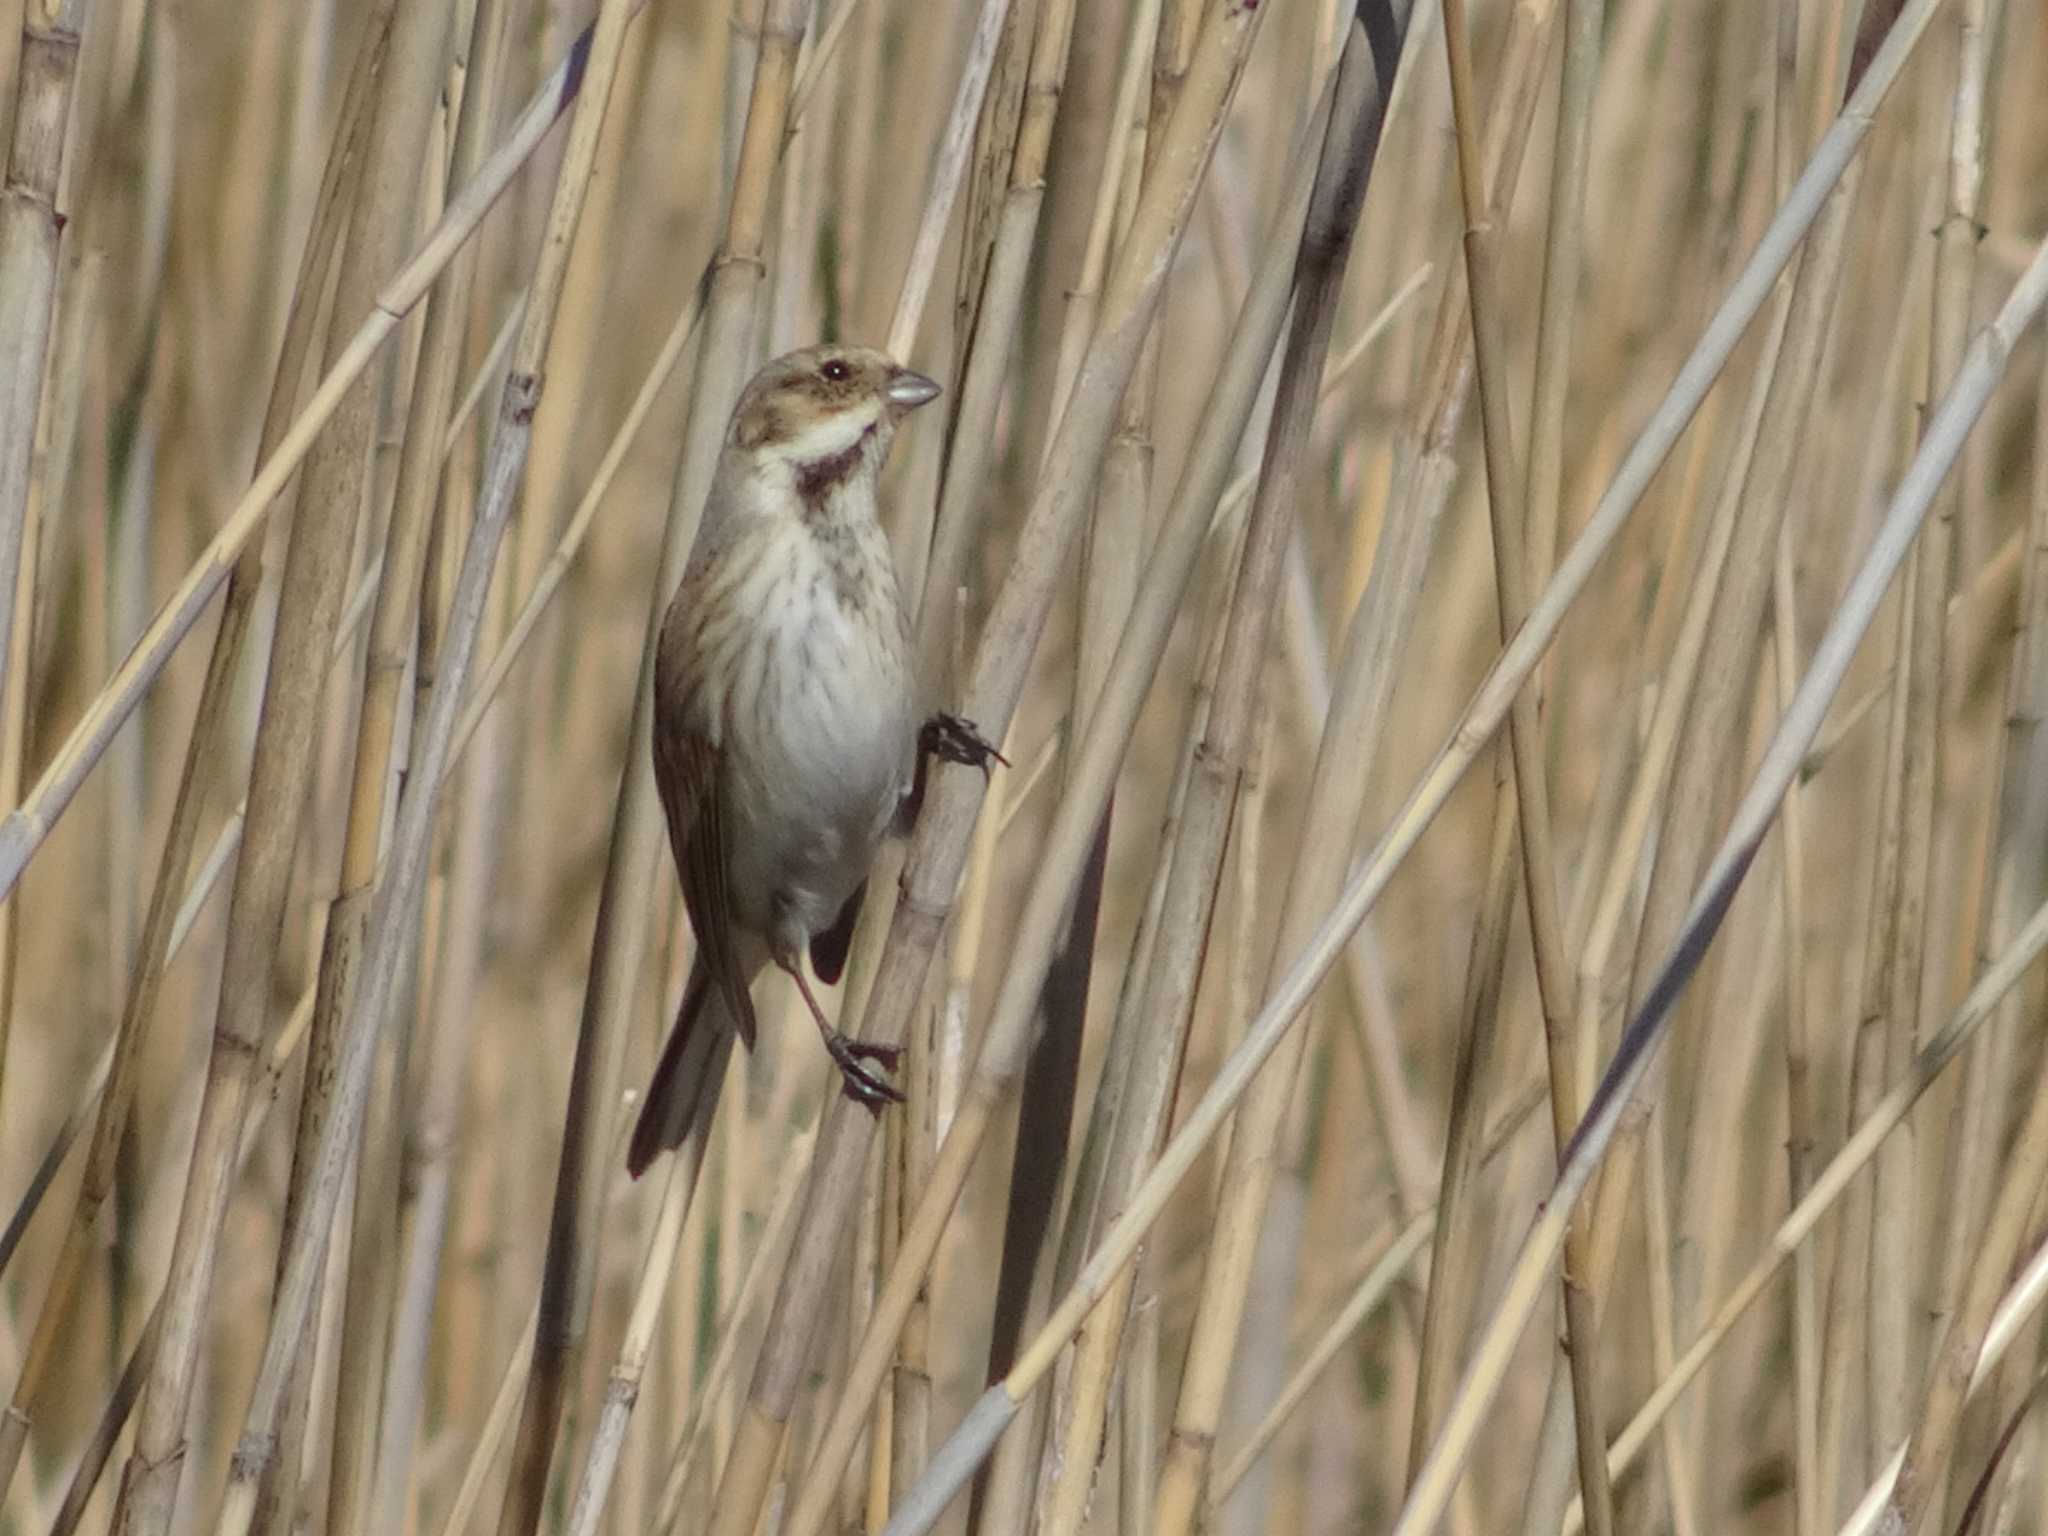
(938, 850)
(1482, 716)
(1983, 366)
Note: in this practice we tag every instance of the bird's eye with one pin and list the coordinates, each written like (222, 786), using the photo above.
(836, 371)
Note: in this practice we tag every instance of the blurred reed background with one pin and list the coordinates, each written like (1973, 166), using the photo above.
(392, 811)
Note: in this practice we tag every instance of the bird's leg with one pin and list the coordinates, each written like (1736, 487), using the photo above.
(861, 1082)
(950, 739)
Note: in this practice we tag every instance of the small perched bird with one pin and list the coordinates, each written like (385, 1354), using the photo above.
(787, 735)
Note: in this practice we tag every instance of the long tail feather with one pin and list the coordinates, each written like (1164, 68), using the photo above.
(684, 1089)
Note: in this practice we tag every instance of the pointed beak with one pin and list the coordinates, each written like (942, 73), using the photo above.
(908, 390)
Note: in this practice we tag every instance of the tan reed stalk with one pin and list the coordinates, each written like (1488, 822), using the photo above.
(957, 518)
(1522, 554)
(1376, 639)
(158, 939)
(576, 1222)
(1916, 1493)
(2015, 1309)
(31, 231)
(24, 829)
(1481, 717)
(1113, 542)
(1363, 84)
(276, 1058)
(309, 607)
(397, 901)
(622, 1387)
(1178, 545)
(1720, 697)
(1977, 1117)
(1988, 356)
(1893, 1333)
(393, 628)
(939, 848)
(1994, 982)
(1388, 1266)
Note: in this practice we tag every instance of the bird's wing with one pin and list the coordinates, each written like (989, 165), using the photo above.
(692, 793)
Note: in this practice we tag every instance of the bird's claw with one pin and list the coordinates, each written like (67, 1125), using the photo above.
(861, 1082)
(955, 740)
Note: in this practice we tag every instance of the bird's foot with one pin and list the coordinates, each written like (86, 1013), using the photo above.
(955, 740)
(861, 1082)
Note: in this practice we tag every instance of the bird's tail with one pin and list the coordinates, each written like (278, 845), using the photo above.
(684, 1089)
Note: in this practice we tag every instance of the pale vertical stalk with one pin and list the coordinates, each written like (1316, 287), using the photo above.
(276, 1057)
(394, 916)
(1984, 365)
(1999, 976)
(31, 230)
(158, 939)
(622, 1387)
(939, 848)
(309, 607)
(633, 857)
(994, 1410)
(1349, 145)
(1978, 1116)
(392, 632)
(1389, 1262)
(1725, 670)
(1896, 1269)
(25, 828)
(957, 517)
(1519, 558)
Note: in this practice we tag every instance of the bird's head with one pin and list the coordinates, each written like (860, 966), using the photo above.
(826, 412)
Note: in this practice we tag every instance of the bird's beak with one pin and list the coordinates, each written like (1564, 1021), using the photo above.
(908, 390)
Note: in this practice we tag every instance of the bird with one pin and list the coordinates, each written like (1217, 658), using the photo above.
(787, 736)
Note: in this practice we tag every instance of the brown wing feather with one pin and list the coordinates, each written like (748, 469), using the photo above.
(686, 768)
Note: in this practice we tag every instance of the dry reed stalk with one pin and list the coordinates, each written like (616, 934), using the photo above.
(309, 608)
(1984, 365)
(1894, 1338)
(1874, 1512)
(1480, 718)
(1721, 695)
(31, 231)
(997, 304)
(576, 1221)
(25, 828)
(1994, 982)
(938, 850)
(393, 628)
(1385, 1271)
(277, 1057)
(1915, 1494)
(160, 935)
(1066, 847)
(1331, 809)
(1362, 88)
(1523, 551)
(394, 916)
